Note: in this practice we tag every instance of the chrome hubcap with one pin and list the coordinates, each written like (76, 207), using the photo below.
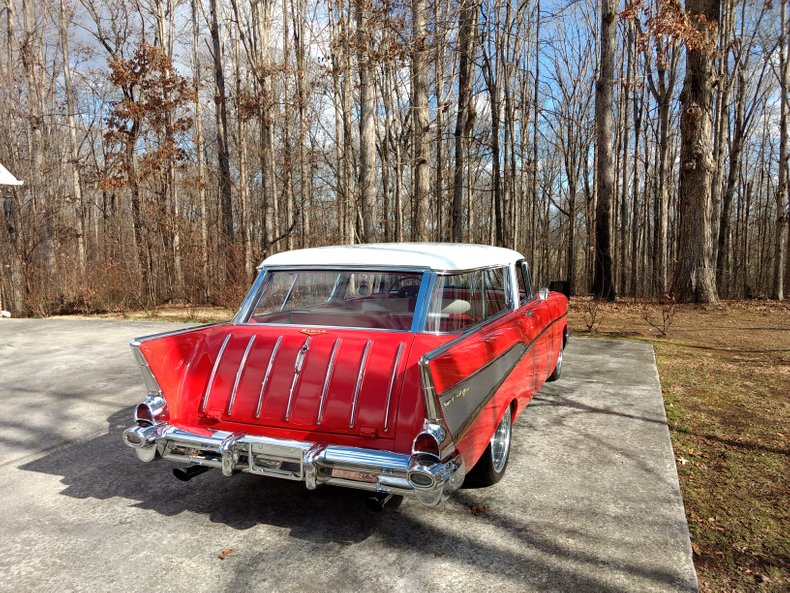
(559, 360)
(500, 443)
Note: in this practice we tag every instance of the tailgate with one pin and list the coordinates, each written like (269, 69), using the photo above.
(331, 381)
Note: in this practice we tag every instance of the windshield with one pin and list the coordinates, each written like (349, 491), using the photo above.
(340, 298)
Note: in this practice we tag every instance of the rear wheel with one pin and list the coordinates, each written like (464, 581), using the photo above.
(555, 374)
(492, 465)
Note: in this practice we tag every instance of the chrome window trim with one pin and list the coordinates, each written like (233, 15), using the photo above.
(247, 305)
(327, 327)
(423, 302)
(531, 296)
(420, 317)
(342, 267)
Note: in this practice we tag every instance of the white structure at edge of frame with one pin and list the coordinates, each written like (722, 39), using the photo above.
(6, 178)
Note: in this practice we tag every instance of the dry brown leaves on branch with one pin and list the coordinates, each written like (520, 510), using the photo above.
(666, 22)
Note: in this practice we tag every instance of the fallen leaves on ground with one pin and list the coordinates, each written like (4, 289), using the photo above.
(225, 553)
(478, 510)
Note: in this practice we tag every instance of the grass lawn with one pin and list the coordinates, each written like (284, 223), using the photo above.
(725, 374)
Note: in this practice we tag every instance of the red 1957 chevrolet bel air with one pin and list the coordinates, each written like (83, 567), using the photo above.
(395, 368)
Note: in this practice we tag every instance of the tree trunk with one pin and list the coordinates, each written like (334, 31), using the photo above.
(694, 278)
(603, 287)
(782, 197)
(200, 149)
(223, 151)
(467, 26)
(723, 272)
(367, 124)
(305, 198)
(79, 207)
(420, 125)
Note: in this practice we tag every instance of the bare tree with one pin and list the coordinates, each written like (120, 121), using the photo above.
(782, 194)
(367, 122)
(603, 286)
(695, 280)
(421, 166)
(467, 26)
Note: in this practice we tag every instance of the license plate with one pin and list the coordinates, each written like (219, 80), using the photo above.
(353, 475)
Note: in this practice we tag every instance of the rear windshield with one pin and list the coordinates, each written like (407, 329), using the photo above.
(340, 298)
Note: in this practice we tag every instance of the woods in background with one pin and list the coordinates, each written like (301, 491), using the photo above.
(167, 146)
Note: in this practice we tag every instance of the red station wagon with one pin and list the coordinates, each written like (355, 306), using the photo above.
(395, 368)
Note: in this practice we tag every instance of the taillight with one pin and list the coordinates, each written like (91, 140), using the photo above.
(152, 411)
(426, 443)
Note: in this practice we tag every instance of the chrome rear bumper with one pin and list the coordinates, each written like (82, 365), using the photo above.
(429, 480)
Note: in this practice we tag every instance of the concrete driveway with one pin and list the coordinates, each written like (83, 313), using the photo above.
(590, 501)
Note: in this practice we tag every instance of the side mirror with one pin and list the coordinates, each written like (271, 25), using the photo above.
(543, 294)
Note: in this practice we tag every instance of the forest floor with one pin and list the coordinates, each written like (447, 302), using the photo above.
(725, 376)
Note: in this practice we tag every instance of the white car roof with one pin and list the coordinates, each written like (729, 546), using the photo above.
(435, 256)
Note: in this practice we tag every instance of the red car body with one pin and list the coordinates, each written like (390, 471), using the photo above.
(407, 404)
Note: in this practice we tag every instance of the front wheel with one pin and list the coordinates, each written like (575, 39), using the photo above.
(555, 374)
(492, 465)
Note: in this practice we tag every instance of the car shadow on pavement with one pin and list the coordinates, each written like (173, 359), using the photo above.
(104, 468)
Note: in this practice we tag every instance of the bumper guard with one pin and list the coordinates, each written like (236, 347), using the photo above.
(430, 480)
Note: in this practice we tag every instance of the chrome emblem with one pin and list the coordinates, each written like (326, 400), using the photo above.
(455, 396)
(312, 332)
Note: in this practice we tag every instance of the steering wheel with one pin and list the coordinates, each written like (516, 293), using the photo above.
(410, 290)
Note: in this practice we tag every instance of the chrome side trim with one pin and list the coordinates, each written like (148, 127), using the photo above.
(298, 365)
(239, 372)
(151, 384)
(464, 401)
(401, 346)
(360, 378)
(332, 327)
(213, 374)
(266, 376)
(175, 332)
(433, 411)
(499, 368)
(328, 379)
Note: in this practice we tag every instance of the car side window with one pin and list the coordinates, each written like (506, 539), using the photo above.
(495, 293)
(462, 300)
(524, 283)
